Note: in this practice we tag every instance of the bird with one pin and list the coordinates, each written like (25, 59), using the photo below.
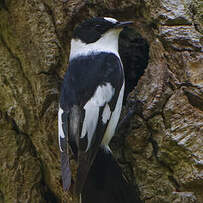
(89, 110)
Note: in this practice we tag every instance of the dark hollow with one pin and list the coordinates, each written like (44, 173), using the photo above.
(134, 52)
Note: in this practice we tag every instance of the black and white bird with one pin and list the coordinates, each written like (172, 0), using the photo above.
(90, 106)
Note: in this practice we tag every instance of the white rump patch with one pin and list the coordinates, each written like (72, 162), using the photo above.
(112, 20)
(102, 95)
(106, 114)
(110, 130)
(60, 128)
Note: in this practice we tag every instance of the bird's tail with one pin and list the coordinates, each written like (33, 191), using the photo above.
(106, 184)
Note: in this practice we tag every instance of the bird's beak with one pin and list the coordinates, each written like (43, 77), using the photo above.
(123, 24)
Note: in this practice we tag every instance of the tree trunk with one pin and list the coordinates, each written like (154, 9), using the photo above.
(159, 148)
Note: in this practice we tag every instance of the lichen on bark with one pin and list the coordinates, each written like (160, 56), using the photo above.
(159, 149)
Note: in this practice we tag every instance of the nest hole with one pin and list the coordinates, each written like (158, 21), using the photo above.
(134, 52)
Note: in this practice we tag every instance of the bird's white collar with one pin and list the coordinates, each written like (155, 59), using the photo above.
(107, 43)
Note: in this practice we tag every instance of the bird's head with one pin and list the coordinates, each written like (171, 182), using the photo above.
(95, 28)
(96, 35)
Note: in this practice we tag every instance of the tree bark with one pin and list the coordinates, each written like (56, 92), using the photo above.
(159, 148)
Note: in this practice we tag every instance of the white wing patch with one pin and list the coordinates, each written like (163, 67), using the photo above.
(112, 20)
(106, 114)
(102, 95)
(60, 128)
(109, 133)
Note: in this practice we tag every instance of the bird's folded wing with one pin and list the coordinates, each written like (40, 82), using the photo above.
(97, 116)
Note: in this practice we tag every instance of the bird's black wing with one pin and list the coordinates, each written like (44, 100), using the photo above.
(90, 92)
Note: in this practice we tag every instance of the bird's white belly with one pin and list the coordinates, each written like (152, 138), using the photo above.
(110, 130)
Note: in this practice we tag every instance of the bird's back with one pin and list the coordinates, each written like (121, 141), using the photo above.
(86, 73)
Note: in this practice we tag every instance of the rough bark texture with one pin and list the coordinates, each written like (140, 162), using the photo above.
(159, 149)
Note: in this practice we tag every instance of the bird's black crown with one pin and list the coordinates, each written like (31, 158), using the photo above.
(92, 29)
